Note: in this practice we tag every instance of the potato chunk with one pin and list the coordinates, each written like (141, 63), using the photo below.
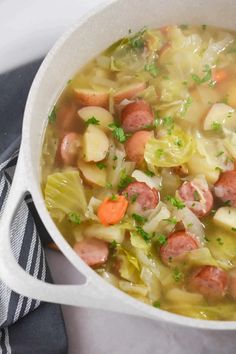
(93, 174)
(226, 217)
(220, 113)
(95, 144)
(101, 114)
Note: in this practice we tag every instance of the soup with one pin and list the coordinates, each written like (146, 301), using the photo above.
(138, 168)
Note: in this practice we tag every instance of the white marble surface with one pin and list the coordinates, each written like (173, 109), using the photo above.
(28, 30)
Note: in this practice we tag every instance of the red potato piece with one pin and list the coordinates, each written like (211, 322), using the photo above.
(232, 283)
(135, 145)
(93, 251)
(178, 244)
(136, 116)
(209, 281)
(198, 200)
(69, 148)
(129, 92)
(66, 118)
(225, 187)
(87, 97)
(146, 197)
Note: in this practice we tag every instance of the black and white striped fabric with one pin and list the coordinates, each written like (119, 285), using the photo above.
(26, 325)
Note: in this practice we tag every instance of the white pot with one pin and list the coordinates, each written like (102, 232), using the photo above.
(88, 38)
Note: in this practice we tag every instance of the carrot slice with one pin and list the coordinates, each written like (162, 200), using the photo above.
(112, 211)
(219, 75)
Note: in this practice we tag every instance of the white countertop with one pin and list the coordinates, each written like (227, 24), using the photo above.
(28, 30)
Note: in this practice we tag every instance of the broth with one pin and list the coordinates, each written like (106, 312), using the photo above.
(138, 168)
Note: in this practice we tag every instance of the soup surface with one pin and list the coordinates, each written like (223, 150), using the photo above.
(138, 168)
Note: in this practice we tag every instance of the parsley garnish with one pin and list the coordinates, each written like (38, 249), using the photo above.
(178, 142)
(118, 132)
(219, 240)
(139, 218)
(161, 239)
(152, 69)
(171, 220)
(168, 121)
(92, 121)
(113, 245)
(216, 126)
(227, 203)
(187, 103)
(156, 304)
(220, 153)
(137, 42)
(175, 202)
(53, 115)
(74, 217)
(149, 173)
(133, 197)
(196, 196)
(233, 229)
(109, 185)
(113, 197)
(205, 78)
(159, 153)
(177, 275)
(101, 165)
(143, 233)
(124, 179)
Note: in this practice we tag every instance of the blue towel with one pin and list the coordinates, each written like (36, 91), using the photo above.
(26, 325)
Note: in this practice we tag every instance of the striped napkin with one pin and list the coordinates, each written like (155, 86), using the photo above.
(26, 325)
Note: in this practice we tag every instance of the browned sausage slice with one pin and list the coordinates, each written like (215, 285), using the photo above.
(196, 198)
(225, 187)
(178, 244)
(93, 251)
(140, 192)
(136, 116)
(69, 148)
(88, 97)
(209, 281)
(135, 145)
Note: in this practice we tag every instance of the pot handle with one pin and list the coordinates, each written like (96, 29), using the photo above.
(17, 279)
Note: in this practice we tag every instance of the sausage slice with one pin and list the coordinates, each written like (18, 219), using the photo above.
(136, 116)
(69, 148)
(225, 187)
(93, 251)
(140, 192)
(209, 281)
(198, 199)
(135, 145)
(178, 244)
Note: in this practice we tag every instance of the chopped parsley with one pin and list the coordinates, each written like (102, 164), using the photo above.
(156, 304)
(168, 121)
(206, 239)
(118, 132)
(101, 165)
(69, 81)
(113, 245)
(109, 185)
(152, 69)
(53, 115)
(233, 229)
(227, 203)
(156, 121)
(92, 121)
(219, 240)
(124, 179)
(186, 104)
(149, 173)
(143, 233)
(196, 196)
(205, 78)
(175, 202)
(74, 217)
(113, 197)
(159, 153)
(190, 224)
(133, 198)
(161, 239)
(115, 158)
(177, 275)
(139, 218)
(204, 27)
(136, 42)
(220, 153)
(216, 126)
(171, 220)
(178, 142)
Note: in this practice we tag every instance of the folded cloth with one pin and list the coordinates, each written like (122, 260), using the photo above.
(26, 325)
